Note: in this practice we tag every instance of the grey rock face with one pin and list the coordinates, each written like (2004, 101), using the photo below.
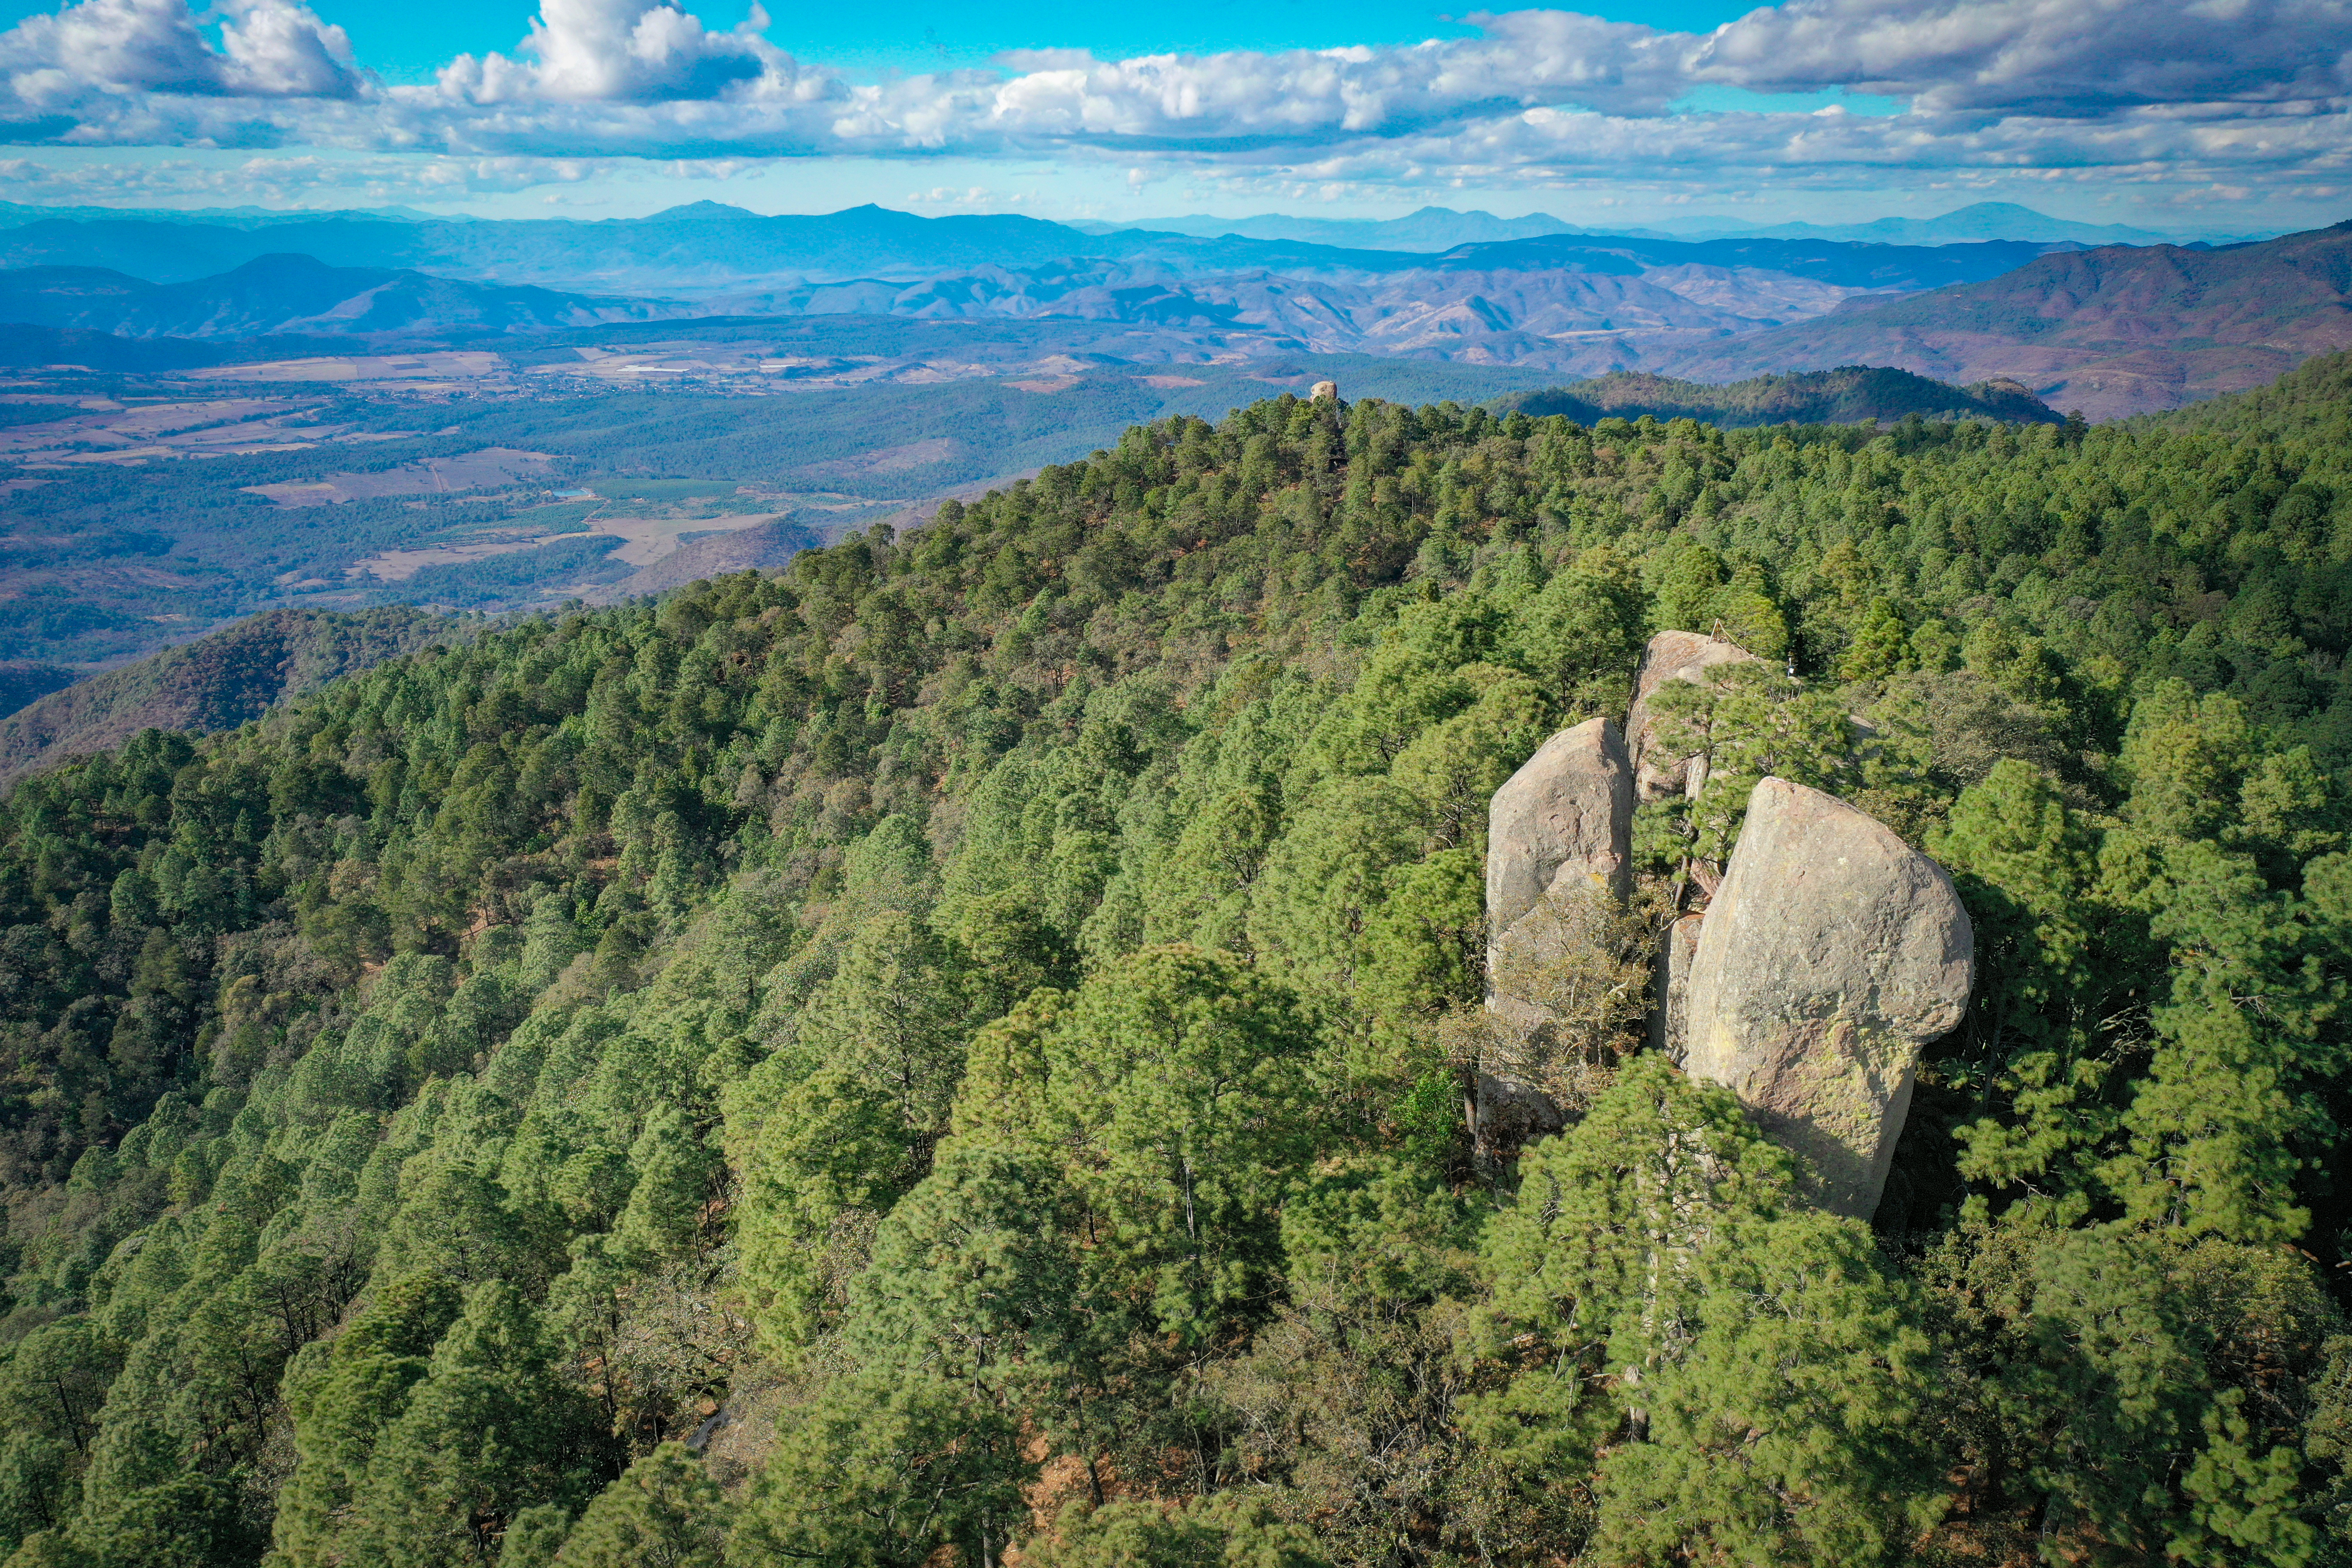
(1671, 656)
(1830, 955)
(1568, 811)
(1558, 850)
(1670, 1016)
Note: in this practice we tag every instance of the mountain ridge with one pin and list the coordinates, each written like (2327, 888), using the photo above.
(703, 248)
(1848, 394)
(290, 294)
(2111, 331)
(1439, 229)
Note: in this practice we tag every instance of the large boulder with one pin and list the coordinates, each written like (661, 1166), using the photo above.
(1559, 864)
(1567, 812)
(1832, 952)
(1671, 656)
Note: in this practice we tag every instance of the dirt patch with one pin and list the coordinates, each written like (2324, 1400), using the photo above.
(357, 367)
(400, 565)
(644, 540)
(887, 460)
(651, 538)
(488, 468)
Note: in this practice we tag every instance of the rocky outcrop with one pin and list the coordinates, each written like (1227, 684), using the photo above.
(1559, 863)
(1671, 656)
(1832, 952)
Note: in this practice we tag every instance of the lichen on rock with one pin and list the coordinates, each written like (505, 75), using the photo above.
(1830, 955)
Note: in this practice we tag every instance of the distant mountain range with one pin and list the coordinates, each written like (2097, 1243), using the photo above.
(14, 213)
(1441, 228)
(1518, 299)
(1430, 230)
(706, 250)
(1524, 302)
(300, 295)
(2110, 331)
(1982, 221)
(2113, 329)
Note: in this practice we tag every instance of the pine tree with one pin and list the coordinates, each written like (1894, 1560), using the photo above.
(663, 1513)
(1729, 1374)
(490, 1429)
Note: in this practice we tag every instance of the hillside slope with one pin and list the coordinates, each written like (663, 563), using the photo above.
(24, 680)
(2111, 331)
(1841, 396)
(960, 1046)
(216, 682)
(767, 547)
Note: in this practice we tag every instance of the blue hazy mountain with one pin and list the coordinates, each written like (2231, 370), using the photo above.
(278, 294)
(1441, 228)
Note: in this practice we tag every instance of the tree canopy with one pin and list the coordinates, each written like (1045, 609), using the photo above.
(957, 1048)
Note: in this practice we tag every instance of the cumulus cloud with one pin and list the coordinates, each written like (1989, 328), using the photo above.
(2069, 59)
(604, 51)
(1523, 59)
(120, 49)
(2218, 91)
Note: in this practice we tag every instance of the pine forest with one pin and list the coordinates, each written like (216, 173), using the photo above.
(956, 1054)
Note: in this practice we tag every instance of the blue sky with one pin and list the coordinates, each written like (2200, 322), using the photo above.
(2185, 115)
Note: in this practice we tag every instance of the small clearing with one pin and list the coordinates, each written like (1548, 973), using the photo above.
(456, 364)
(644, 540)
(489, 469)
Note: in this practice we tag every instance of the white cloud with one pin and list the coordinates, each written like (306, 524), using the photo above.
(2199, 95)
(2050, 58)
(272, 49)
(604, 51)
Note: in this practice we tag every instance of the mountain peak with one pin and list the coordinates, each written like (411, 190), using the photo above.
(281, 262)
(706, 212)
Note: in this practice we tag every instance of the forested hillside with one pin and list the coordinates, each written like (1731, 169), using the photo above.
(955, 1053)
(1843, 397)
(216, 682)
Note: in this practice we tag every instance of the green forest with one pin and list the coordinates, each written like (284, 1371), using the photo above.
(954, 1054)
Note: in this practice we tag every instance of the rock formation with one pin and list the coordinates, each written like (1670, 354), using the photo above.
(1568, 808)
(1558, 846)
(1670, 1015)
(1832, 952)
(1323, 389)
(1671, 656)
